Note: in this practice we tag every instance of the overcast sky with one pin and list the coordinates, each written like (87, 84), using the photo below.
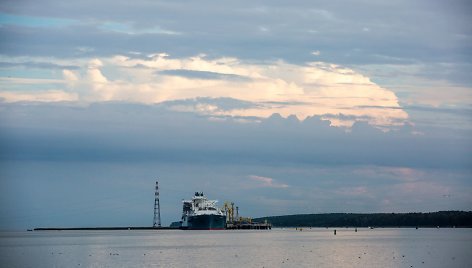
(282, 107)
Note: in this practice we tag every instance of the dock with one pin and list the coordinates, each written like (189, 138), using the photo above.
(229, 226)
(104, 228)
(248, 226)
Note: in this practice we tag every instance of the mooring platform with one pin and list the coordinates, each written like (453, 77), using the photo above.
(249, 226)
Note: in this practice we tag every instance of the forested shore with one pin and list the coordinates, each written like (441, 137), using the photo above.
(417, 219)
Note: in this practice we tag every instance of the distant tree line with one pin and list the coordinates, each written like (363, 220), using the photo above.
(430, 219)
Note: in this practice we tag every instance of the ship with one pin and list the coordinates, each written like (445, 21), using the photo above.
(202, 214)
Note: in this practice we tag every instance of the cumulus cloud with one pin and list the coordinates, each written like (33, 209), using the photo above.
(322, 89)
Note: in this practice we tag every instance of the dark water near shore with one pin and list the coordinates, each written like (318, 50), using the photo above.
(317, 247)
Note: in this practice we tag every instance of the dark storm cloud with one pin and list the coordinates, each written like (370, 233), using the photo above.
(131, 132)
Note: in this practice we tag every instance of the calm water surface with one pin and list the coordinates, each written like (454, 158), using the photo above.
(317, 247)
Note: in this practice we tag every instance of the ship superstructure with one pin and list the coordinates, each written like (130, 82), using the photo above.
(202, 214)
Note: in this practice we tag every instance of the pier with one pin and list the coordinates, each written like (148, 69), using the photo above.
(248, 226)
(104, 228)
(236, 222)
(231, 226)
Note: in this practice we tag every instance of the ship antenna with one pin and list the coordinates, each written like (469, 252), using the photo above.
(157, 208)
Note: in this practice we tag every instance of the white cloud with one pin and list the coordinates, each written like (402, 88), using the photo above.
(263, 29)
(266, 182)
(317, 88)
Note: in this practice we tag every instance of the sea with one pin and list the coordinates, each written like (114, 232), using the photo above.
(288, 247)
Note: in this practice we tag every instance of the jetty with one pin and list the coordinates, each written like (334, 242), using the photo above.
(231, 226)
(104, 228)
(248, 226)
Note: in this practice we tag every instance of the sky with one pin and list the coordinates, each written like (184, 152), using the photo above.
(282, 107)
